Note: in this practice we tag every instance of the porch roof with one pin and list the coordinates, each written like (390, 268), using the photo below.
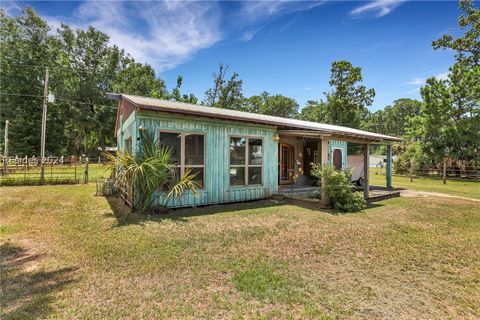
(152, 104)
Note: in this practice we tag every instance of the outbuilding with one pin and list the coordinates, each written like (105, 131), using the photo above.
(240, 156)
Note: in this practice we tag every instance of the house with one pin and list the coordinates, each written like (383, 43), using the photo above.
(240, 156)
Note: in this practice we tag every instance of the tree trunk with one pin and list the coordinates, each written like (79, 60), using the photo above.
(411, 170)
(444, 174)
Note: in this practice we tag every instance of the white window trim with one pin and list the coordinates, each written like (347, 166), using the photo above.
(246, 165)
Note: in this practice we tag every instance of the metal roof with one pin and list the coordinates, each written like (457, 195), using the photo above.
(153, 104)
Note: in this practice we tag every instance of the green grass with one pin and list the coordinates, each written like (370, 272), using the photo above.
(61, 174)
(462, 188)
(68, 254)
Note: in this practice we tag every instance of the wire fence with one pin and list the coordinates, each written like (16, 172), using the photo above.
(56, 170)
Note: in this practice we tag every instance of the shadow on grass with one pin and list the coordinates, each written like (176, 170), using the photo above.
(125, 216)
(27, 293)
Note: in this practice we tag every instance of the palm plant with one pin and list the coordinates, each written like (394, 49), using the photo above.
(151, 170)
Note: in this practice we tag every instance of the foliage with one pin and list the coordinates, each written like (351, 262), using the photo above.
(450, 120)
(139, 79)
(339, 188)
(275, 105)
(176, 94)
(468, 45)
(151, 170)
(347, 103)
(393, 120)
(313, 111)
(83, 67)
(449, 124)
(410, 158)
(226, 94)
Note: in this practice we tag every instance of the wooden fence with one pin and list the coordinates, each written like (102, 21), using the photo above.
(464, 172)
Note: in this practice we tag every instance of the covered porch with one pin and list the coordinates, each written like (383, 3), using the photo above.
(298, 149)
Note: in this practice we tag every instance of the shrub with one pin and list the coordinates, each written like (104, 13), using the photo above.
(410, 157)
(339, 188)
(150, 169)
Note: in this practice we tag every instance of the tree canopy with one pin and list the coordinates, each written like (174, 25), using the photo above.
(83, 67)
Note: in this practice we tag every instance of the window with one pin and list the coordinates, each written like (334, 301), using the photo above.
(246, 161)
(188, 152)
(128, 145)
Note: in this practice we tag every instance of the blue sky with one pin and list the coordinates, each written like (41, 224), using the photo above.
(282, 47)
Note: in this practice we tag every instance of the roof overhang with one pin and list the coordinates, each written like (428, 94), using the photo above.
(283, 124)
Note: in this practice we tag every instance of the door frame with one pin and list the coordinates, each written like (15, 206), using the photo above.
(289, 165)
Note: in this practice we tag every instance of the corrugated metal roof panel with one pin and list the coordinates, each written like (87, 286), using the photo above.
(193, 109)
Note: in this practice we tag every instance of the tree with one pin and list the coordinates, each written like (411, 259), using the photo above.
(25, 47)
(393, 120)
(176, 94)
(314, 111)
(83, 68)
(449, 125)
(347, 103)
(451, 116)
(467, 46)
(139, 79)
(212, 95)
(226, 94)
(276, 105)
(93, 66)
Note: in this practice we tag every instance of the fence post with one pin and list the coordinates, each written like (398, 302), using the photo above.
(85, 174)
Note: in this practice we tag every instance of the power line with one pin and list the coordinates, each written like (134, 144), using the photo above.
(59, 98)
(21, 95)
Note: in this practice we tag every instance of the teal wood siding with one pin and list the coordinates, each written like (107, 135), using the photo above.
(217, 139)
(337, 144)
(128, 129)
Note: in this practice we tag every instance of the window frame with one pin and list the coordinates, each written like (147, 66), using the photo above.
(246, 166)
(182, 164)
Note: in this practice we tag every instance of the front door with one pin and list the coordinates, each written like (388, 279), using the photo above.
(337, 159)
(285, 164)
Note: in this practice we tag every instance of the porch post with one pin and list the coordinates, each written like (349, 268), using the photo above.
(324, 162)
(366, 167)
(388, 172)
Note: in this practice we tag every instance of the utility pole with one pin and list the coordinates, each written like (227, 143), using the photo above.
(5, 150)
(44, 128)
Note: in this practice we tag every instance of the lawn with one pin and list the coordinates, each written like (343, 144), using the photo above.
(58, 174)
(456, 187)
(68, 254)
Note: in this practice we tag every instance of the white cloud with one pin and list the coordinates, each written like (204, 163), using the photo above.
(378, 8)
(11, 7)
(442, 76)
(417, 81)
(258, 10)
(413, 91)
(163, 34)
(248, 35)
(309, 89)
(166, 34)
(421, 81)
(254, 12)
